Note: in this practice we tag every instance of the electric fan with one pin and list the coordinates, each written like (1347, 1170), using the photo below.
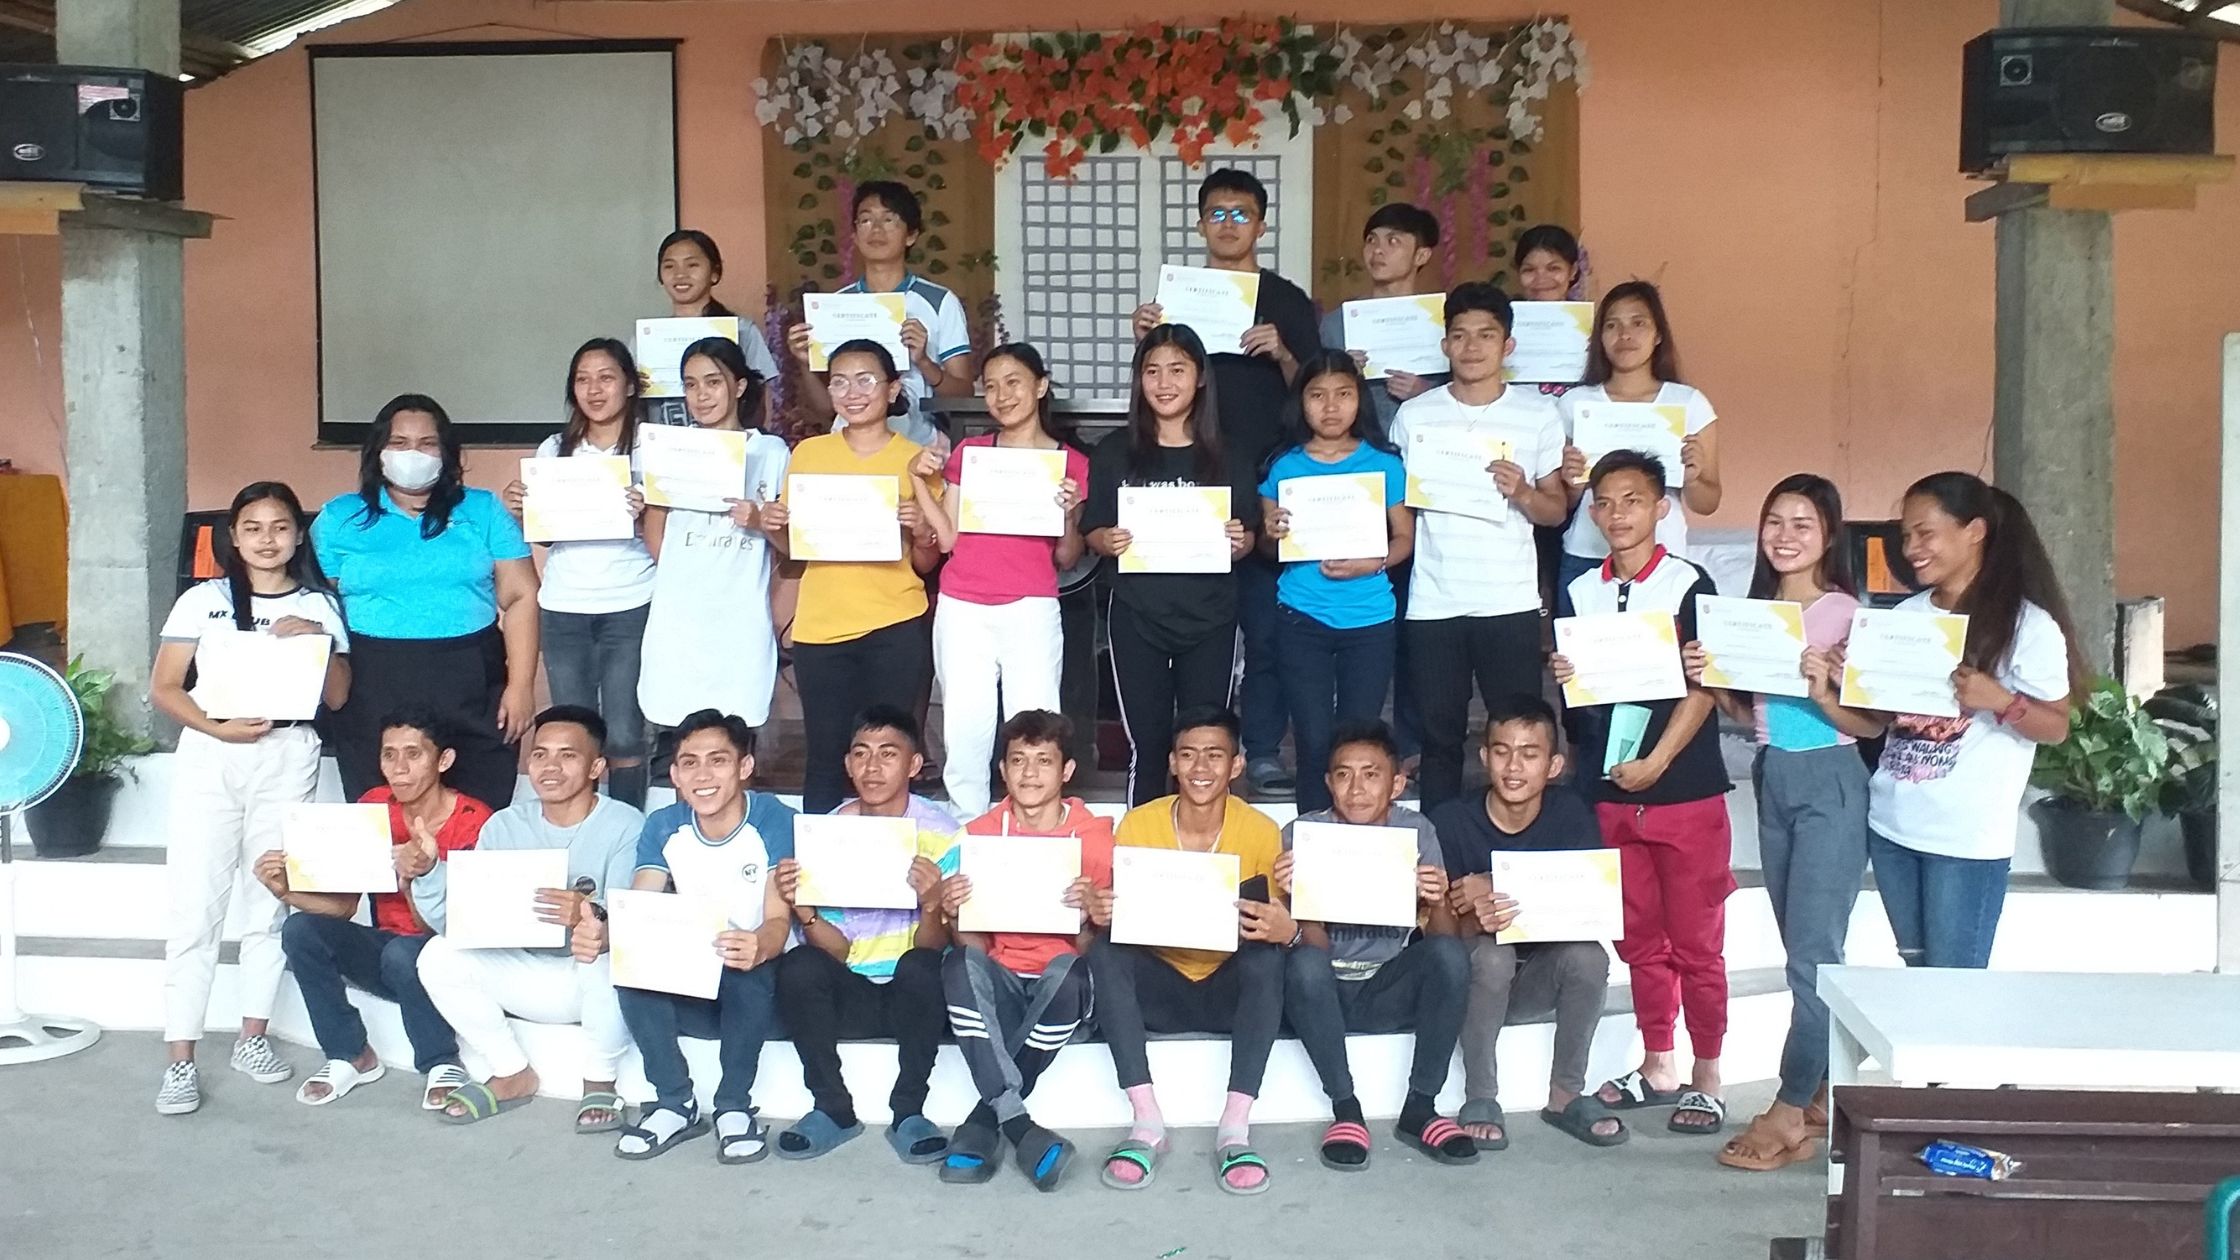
(41, 731)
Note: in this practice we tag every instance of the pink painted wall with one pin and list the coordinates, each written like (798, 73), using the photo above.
(1786, 171)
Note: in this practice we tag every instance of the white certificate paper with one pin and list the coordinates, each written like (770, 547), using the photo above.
(1019, 884)
(1174, 900)
(490, 899)
(1340, 516)
(665, 941)
(575, 498)
(338, 848)
(1752, 644)
(849, 862)
(1563, 895)
(1551, 342)
(1398, 334)
(1447, 472)
(256, 674)
(1902, 662)
(843, 516)
(1218, 305)
(661, 346)
(1620, 658)
(692, 467)
(836, 319)
(1175, 529)
(1010, 490)
(1598, 428)
(1361, 875)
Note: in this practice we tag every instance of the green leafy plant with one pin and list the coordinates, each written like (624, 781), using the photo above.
(2114, 758)
(2187, 716)
(108, 740)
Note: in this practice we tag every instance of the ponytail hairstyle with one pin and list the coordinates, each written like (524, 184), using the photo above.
(450, 488)
(1834, 571)
(579, 424)
(706, 244)
(1664, 361)
(726, 354)
(303, 566)
(1028, 357)
(899, 405)
(1368, 428)
(2013, 569)
(1204, 423)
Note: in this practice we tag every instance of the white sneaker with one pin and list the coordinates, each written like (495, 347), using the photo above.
(181, 1092)
(255, 1058)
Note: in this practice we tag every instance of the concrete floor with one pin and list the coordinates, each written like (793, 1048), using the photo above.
(88, 1169)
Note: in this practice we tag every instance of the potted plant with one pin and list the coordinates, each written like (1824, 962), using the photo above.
(71, 822)
(2101, 781)
(2187, 714)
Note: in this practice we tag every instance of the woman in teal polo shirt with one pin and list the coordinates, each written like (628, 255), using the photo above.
(441, 600)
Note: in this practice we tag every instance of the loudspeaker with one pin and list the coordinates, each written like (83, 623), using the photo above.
(118, 130)
(2085, 89)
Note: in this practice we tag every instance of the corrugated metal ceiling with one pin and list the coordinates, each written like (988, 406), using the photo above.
(214, 34)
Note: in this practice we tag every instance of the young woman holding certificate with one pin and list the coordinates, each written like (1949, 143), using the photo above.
(1172, 621)
(689, 267)
(237, 775)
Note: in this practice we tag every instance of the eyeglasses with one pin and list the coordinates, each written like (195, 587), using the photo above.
(888, 220)
(861, 383)
(1230, 214)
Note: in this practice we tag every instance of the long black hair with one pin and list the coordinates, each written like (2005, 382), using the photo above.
(1368, 428)
(726, 354)
(1834, 570)
(706, 244)
(1205, 410)
(1664, 361)
(579, 424)
(1028, 357)
(303, 566)
(450, 487)
(2014, 568)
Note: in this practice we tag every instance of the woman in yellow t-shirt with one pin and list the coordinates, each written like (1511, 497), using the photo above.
(860, 637)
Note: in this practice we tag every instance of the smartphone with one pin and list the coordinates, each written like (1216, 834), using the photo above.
(1254, 889)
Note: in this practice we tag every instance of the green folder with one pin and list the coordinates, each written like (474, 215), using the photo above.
(1628, 723)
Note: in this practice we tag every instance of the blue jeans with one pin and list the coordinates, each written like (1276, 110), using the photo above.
(325, 952)
(743, 1014)
(1943, 910)
(1262, 709)
(591, 659)
(1328, 676)
(1812, 837)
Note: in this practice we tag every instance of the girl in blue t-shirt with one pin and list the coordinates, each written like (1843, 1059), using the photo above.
(1339, 528)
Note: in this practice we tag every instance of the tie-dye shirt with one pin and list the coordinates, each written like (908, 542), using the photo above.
(877, 939)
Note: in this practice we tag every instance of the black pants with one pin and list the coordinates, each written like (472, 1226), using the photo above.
(823, 1003)
(1010, 1027)
(890, 665)
(459, 679)
(1154, 684)
(1138, 993)
(1502, 653)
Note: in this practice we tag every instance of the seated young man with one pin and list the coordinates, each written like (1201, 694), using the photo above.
(722, 841)
(1016, 998)
(1347, 977)
(865, 973)
(476, 989)
(1141, 989)
(326, 950)
(1522, 809)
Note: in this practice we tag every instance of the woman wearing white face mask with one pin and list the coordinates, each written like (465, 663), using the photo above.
(441, 601)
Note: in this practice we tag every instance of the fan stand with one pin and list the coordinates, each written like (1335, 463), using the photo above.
(27, 1038)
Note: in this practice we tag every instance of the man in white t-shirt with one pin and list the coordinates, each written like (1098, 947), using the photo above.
(1474, 599)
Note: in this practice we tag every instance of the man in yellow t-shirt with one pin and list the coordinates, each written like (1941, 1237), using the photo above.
(1142, 989)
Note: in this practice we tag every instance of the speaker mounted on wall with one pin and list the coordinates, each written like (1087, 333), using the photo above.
(2085, 89)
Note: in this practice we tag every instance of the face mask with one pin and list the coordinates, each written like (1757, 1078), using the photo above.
(411, 471)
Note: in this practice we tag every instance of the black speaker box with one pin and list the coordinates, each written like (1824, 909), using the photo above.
(2085, 89)
(117, 130)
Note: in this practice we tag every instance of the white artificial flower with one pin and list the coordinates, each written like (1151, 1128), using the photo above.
(1342, 114)
(1414, 110)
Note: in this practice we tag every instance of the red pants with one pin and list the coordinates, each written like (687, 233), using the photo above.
(1677, 871)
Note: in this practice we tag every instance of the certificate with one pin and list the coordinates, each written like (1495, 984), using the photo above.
(1019, 884)
(255, 674)
(1340, 516)
(490, 899)
(573, 498)
(1598, 428)
(692, 467)
(1447, 472)
(661, 347)
(1174, 900)
(849, 862)
(843, 516)
(1551, 342)
(1563, 895)
(665, 941)
(1752, 644)
(1398, 334)
(1362, 875)
(1902, 661)
(836, 319)
(1175, 529)
(338, 848)
(1620, 657)
(1009, 490)
(1220, 306)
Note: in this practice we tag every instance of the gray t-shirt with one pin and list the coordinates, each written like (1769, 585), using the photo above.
(1357, 950)
(1334, 338)
(604, 847)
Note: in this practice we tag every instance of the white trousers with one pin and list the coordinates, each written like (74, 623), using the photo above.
(979, 650)
(227, 805)
(476, 989)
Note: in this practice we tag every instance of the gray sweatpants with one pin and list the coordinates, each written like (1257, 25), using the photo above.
(1010, 1026)
(1812, 837)
(1522, 984)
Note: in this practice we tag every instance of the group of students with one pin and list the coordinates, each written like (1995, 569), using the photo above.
(438, 643)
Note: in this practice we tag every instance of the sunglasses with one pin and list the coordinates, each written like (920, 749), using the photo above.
(1230, 214)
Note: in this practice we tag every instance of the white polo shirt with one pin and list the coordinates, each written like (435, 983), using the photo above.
(1465, 566)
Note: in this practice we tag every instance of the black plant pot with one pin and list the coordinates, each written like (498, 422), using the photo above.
(2086, 848)
(72, 821)
(2199, 828)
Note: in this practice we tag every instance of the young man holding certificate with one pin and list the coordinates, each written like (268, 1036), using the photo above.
(1396, 245)
(1142, 989)
(1016, 998)
(476, 988)
(863, 972)
(1378, 978)
(1659, 788)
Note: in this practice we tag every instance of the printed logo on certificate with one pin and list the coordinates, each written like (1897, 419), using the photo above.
(1551, 342)
(257, 674)
(1447, 472)
(850, 862)
(1562, 895)
(576, 498)
(1019, 884)
(1621, 658)
(1754, 645)
(1218, 305)
(1010, 490)
(843, 516)
(1398, 334)
(836, 319)
(661, 347)
(331, 848)
(1170, 899)
(1340, 516)
(1174, 529)
(1900, 661)
(1655, 429)
(691, 467)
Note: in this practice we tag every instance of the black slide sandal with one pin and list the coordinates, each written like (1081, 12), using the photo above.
(972, 1156)
(1044, 1157)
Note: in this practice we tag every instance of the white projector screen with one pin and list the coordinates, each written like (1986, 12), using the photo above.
(482, 210)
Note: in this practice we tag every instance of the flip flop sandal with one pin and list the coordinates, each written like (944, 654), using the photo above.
(1044, 1157)
(481, 1103)
(1234, 1156)
(906, 1136)
(447, 1077)
(971, 1160)
(1735, 1155)
(1484, 1111)
(1144, 1155)
(695, 1126)
(1579, 1117)
(1695, 1102)
(1438, 1142)
(1635, 1092)
(599, 1101)
(742, 1148)
(1345, 1136)
(340, 1077)
(819, 1134)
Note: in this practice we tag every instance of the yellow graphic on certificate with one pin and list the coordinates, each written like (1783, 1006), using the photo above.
(1447, 472)
(1551, 342)
(1619, 658)
(836, 319)
(843, 516)
(1174, 529)
(1654, 429)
